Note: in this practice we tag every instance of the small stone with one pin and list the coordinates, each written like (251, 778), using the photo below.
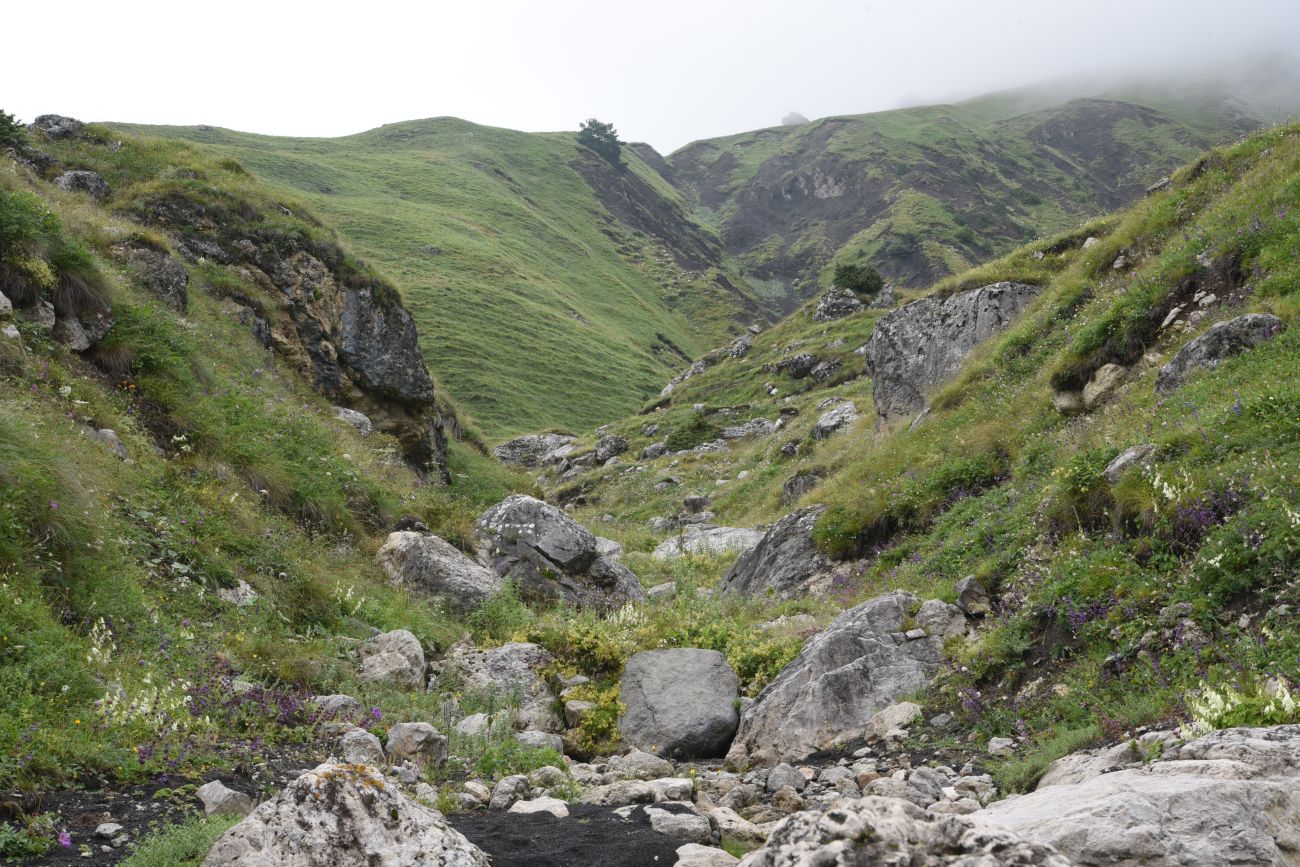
(107, 830)
(508, 791)
(553, 806)
(1001, 747)
(218, 800)
(785, 775)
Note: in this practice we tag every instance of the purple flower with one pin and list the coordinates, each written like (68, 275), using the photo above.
(65, 839)
(375, 712)
(53, 505)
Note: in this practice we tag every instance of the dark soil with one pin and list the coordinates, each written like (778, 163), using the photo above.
(589, 837)
(144, 808)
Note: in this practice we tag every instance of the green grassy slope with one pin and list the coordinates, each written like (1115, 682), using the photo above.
(997, 484)
(537, 308)
(116, 655)
(925, 192)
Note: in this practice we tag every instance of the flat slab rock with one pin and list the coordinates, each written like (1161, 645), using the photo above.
(589, 836)
(1230, 797)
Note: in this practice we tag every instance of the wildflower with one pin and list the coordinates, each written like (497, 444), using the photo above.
(65, 839)
(376, 713)
(53, 504)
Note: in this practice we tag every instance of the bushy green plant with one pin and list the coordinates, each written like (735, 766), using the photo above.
(603, 139)
(12, 133)
(860, 279)
(183, 845)
(695, 431)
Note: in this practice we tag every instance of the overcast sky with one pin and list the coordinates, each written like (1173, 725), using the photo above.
(665, 72)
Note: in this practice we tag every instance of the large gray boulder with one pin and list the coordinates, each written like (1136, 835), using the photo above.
(707, 540)
(785, 563)
(427, 564)
(343, 816)
(551, 556)
(875, 832)
(922, 345)
(1222, 340)
(1230, 797)
(836, 304)
(855, 667)
(534, 450)
(56, 126)
(511, 673)
(680, 703)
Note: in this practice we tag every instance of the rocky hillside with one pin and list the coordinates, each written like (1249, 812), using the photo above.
(925, 192)
(550, 288)
(842, 587)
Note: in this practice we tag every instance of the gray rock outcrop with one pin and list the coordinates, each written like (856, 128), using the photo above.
(610, 446)
(56, 126)
(836, 304)
(785, 562)
(429, 565)
(922, 345)
(798, 485)
(511, 673)
(551, 556)
(220, 800)
(1222, 340)
(534, 450)
(1230, 797)
(855, 667)
(159, 272)
(343, 816)
(82, 181)
(680, 703)
(871, 831)
(1129, 459)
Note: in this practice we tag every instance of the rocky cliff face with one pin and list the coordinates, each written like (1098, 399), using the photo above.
(918, 347)
(341, 326)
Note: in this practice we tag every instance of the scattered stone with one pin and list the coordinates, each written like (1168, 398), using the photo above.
(358, 420)
(553, 806)
(784, 775)
(218, 800)
(679, 702)
(836, 304)
(1134, 456)
(898, 715)
(241, 595)
(758, 427)
(621, 793)
(108, 439)
(834, 421)
(798, 485)
(534, 450)
(797, 366)
(610, 446)
(540, 740)
(641, 765)
(426, 563)
(1103, 383)
(1222, 340)
(1002, 747)
(393, 657)
(941, 620)
(360, 747)
(508, 790)
(417, 742)
(971, 597)
(338, 706)
(695, 855)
